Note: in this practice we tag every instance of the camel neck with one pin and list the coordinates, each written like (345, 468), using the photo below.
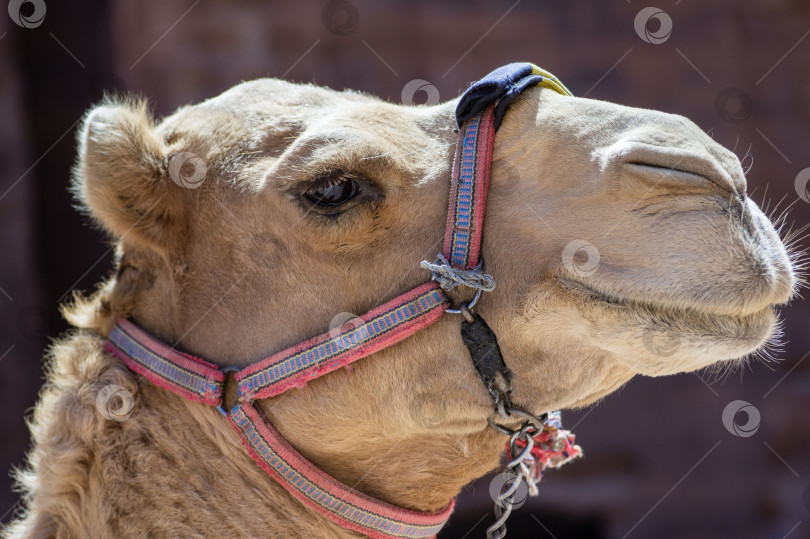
(420, 472)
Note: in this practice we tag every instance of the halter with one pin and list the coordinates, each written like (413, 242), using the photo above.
(537, 444)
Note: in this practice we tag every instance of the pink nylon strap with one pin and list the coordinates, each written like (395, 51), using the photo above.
(468, 191)
(198, 380)
(324, 494)
(379, 328)
(188, 376)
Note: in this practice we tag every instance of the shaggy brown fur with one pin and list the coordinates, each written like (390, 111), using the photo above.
(241, 267)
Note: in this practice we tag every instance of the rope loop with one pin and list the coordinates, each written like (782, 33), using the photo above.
(449, 277)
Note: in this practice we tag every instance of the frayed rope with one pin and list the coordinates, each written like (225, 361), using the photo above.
(449, 277)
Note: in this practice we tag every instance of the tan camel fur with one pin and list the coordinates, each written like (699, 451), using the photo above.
(667, 249)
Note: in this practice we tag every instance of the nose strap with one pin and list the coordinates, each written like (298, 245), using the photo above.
(468, 192)
(502, 86)
(479, 113)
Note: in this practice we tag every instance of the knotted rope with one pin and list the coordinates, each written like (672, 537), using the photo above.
(449, 277)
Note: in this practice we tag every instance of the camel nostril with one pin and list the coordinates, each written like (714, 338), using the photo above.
(680, 176)
(693, 166)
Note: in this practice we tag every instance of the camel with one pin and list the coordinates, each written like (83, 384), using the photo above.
(622, 241)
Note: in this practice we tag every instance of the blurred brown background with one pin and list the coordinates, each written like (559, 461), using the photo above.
(659, 460)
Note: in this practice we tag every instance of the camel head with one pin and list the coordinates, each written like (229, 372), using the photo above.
(621, 239)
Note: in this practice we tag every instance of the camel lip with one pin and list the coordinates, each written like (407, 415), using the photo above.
(697, 333)
(663, 308)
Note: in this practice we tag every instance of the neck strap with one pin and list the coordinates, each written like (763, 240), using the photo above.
(479, 113)
(199, 380)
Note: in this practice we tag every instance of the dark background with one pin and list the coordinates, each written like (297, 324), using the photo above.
(660, 462)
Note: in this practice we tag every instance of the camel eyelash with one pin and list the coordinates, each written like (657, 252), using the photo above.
(337, 191)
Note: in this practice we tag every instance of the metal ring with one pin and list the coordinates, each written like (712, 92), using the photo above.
(537, 422)
(499, 428)
(470, 304)
(526, 451)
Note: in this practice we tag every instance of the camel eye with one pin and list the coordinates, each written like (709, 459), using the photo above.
(332, 191)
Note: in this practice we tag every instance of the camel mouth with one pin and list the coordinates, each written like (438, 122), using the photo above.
(751, 327)
(656, 338)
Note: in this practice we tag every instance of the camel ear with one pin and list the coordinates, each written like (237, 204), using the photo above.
(120, 177)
